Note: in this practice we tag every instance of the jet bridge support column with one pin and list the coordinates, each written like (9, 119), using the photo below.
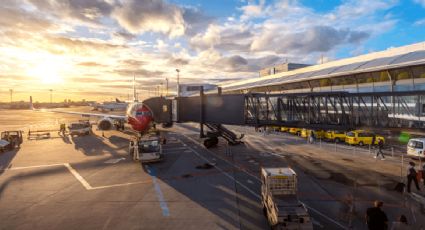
(202, 112)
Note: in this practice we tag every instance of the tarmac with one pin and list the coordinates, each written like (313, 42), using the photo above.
(89, 182)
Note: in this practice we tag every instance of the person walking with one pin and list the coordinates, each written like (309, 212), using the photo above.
(62, 129)
(401, 224)
(311, 137)
(380, 147)
(376, 219)
(411, 176)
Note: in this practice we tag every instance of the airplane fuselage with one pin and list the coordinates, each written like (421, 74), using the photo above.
(139, 116)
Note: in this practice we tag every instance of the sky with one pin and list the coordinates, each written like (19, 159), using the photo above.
(92, 49)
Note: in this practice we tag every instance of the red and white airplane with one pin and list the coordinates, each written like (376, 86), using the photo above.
(138, 116)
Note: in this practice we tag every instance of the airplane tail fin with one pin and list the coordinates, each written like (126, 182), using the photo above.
(118, 100)
(31, 104)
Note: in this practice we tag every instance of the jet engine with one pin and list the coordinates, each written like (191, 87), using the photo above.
(105, 124)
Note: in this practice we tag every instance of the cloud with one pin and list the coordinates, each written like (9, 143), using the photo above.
(195, 20)
(64, 45)
(422, 2)
(251, 10)
(138, 72)
(132, 63)
(16, 19)
(178, 61)
(420, 22)
(123, 35)
(90, 64)
(208, 39)
(314, 39)
(86, 11)
(233, 63)
(138, 16)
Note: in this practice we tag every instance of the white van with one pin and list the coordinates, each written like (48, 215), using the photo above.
(416, 147)
(146, 149)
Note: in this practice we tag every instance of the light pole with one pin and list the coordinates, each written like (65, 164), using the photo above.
(51, 90)
(11, 95)
(157, 89)
(166, 85)
(178, 82)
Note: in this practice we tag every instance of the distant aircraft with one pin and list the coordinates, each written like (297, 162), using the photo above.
(138, 115)
(116, 105)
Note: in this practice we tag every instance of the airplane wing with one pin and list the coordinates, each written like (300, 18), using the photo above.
(83, 114)
(98, 115)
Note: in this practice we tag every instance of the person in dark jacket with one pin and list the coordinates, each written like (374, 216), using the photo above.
(376, 219)
(411, 176)
(380, 147)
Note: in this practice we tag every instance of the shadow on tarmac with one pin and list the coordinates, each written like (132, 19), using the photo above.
(211, 189)
(6, 158)
(93, 145)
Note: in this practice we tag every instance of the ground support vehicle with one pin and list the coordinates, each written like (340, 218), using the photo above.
(295, 131)
(280, 202)
(4, 146)
(416, 147)
(284, 129)
(335, 136)
(146, 149)
(361, 137)
(305, 133)
(10, 140)
(79, 128)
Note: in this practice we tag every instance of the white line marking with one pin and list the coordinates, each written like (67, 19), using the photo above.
(114, 161)
(239, 168)
(315, 222)
(34, 166)
(78, 176)
(226, 174)
(326, 217)
(252, 192)
(119, 185)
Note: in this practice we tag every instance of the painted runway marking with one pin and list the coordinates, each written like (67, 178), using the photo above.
(114, 160)
(78, 176)
(34, 166)
(80, 179)
(249, 190)
(162, 202)
(225, 173)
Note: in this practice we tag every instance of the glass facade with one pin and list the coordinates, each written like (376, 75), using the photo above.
(402, 79)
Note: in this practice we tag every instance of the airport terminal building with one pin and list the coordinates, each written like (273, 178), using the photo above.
(395, 69)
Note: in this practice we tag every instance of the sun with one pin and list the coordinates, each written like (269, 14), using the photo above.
(47, 72)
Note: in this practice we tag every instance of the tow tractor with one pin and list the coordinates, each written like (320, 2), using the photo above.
(79, 128)
(10, 139)
(281, 205)
(146, 148)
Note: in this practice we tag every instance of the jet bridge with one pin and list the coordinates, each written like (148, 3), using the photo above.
(313, 110)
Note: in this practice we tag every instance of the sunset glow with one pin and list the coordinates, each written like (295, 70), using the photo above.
(92, 49)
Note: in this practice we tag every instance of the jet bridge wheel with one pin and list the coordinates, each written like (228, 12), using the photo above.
(210, 142)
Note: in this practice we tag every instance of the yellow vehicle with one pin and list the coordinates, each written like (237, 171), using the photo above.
(317, 133)
(296, 131)
(320, 134)
(274, 128)
(284, 129)
(305, 133)
(335, 136)
(361, 137)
